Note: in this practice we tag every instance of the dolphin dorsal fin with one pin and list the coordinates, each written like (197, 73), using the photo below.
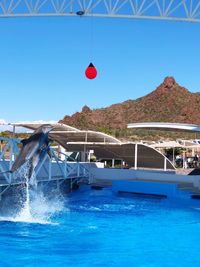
(24, 142)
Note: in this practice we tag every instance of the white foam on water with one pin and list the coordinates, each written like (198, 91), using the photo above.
(25, 213)
(36, 207)
(92, 227)
(39, 209)
(22, 219)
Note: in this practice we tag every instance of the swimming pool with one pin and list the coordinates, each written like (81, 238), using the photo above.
(97, 228)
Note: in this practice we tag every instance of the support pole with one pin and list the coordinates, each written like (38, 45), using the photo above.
(193, 152)
(78, 169)
(165, 164)
(136, 156)
(173, 160)
(11, 158)
(113, 163)
(13, 134)
(85, 148)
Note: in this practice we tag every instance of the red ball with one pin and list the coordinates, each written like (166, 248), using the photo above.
(91, 72)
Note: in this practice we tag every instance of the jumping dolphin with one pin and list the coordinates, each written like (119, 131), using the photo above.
(34, 149)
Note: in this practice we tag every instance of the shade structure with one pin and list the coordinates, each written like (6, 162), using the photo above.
(175, 144)
(147, 157)
(63, 133)
(105, 146)
(165, 126)
(33, 125)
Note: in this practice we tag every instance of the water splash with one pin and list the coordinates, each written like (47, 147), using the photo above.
(39, 209)
(25, 213)
(34, 206)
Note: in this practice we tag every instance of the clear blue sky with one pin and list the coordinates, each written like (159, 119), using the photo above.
(43, 62)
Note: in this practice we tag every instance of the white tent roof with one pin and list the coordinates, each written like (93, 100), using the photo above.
(63, 133)
(165, 126)
(166, 144)
(178, 143)
(147, 157)
(35, 124)
(104, 146)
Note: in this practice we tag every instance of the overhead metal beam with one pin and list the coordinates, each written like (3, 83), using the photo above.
(177, 10)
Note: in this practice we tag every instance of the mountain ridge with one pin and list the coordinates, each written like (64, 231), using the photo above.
(169, 102)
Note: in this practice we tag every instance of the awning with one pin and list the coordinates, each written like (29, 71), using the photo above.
(104, 146)
(63, 133)
(165, 126)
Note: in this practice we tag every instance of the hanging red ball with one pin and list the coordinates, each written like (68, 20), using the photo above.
(91, 72)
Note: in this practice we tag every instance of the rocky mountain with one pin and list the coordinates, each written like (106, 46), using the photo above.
(169, 102)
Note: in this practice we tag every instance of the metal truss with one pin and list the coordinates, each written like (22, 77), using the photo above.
(181, 10)
(11, 149)
(49, 169)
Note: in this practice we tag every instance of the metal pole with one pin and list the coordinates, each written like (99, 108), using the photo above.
(113, 163)
(13, 134)
(184, 158)
(1, 145)
(136, 156)
(84, 154)
(85, 148)
(11, 158)
(165, 164)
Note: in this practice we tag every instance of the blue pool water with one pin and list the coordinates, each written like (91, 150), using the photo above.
(97, 228)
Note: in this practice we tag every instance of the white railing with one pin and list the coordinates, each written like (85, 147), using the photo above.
(8, 153)
(50, 168)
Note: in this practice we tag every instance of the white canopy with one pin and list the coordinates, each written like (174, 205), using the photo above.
(104, 146)
(178, 143)
(64, 134)
(165, 126)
